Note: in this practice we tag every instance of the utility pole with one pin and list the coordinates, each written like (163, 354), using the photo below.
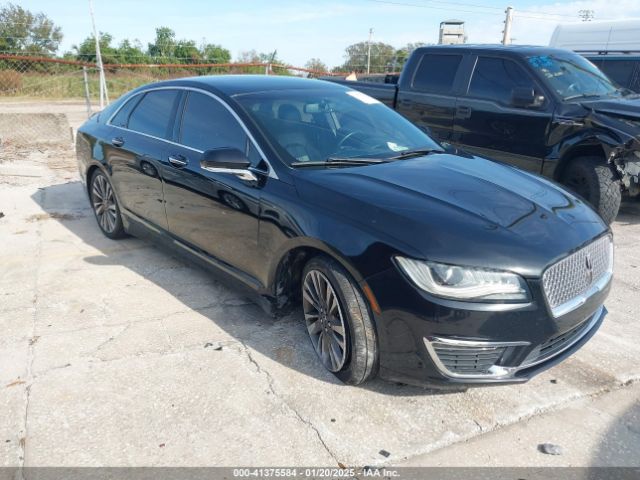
(369, 51)
(506, 37)
(104, 95)
(267, 69)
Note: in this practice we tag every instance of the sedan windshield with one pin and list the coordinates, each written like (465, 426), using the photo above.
(329, 124)
(573, 76)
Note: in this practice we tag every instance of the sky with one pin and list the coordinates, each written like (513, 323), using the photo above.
(302, 29)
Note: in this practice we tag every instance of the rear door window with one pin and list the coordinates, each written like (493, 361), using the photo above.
(436, 73)
(207, 124)
(154, 114)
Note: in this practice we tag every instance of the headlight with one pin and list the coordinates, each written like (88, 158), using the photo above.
(465, 283)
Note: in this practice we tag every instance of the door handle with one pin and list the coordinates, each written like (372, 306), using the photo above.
(117, 141)
(463, 112)
(177, 160)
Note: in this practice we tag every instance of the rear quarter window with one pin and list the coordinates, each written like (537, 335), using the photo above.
(436, 73)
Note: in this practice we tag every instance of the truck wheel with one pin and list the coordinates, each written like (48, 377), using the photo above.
(594, 180)
(338, 321)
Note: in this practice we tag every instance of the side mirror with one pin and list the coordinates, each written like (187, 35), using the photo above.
(525, 97)
(227, 160)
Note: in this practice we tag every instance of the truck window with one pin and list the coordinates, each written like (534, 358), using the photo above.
(495, 78)
(620, 71)
(436, 73)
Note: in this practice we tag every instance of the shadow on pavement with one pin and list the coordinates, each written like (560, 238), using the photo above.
(620, 444)
(284, 340)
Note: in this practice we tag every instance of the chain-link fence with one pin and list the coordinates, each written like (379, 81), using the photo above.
(34, 90)
(26, 77)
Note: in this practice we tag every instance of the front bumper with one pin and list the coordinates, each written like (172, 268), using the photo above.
(478, 361)
(429, 341)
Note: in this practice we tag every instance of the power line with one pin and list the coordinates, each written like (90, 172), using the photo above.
(530, 14)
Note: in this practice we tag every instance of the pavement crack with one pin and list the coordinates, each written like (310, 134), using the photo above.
(31, 346)
(275, 393)
(110, 339)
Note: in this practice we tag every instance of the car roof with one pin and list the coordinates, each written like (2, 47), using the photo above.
(230, 85)
(489, 48)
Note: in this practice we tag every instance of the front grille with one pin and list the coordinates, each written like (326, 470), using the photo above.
(556, 344)
(468, 360)
(576, 274)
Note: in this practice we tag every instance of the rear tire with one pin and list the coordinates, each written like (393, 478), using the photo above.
(360, 359)
(596, 182)
(105, 206)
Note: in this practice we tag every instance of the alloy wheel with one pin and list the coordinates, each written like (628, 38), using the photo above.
(324, 319)
(104, 203)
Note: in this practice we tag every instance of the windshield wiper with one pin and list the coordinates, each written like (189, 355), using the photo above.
(416, 152)
(339, 161)
(583, 95)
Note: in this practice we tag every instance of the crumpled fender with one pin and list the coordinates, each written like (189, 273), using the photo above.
(619, 137)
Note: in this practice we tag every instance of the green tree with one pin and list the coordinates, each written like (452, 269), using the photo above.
(162, 49)
(212, 53)
(382, 56)
(402, 54)
(317, 65)
(86, 50)
(131, 52)
(186, 51)
(22, 31)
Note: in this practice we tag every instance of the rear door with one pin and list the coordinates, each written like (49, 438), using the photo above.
(429, 99)
(138, 145)
(486, 122)
(214, 212)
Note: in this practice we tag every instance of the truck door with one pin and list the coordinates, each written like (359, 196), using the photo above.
(429, 99)
(488, 121)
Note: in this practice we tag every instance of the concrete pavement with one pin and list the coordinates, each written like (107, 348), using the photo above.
(110, 355)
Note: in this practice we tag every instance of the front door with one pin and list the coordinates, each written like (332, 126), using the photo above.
(487, 124)
(214, 212)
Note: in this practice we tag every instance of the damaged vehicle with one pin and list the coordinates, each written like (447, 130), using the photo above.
(403, 259)
(549, 111)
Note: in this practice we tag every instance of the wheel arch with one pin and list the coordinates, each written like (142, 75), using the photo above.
(285, 274)
(91, 169)
(586, 149)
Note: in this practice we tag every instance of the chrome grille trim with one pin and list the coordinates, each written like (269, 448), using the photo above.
(437, 345)
(470, 359)
(570, 282)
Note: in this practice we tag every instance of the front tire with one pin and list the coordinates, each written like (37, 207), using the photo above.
(105, 206)
(596, 182)
(338, 321)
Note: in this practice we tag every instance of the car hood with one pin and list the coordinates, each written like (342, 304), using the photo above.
(455, 209)
(628, 107)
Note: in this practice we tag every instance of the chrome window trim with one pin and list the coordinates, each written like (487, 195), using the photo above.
(271, 171)
(498, 372)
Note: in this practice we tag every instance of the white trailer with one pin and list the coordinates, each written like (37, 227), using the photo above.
(621, 36)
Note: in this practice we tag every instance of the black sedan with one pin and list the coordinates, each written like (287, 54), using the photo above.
(410, 260)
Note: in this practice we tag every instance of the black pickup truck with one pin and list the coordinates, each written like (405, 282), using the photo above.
(546, 110)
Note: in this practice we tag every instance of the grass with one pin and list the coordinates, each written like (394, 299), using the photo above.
(70, 85)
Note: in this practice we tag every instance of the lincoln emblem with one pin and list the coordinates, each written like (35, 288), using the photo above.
(589, 268)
